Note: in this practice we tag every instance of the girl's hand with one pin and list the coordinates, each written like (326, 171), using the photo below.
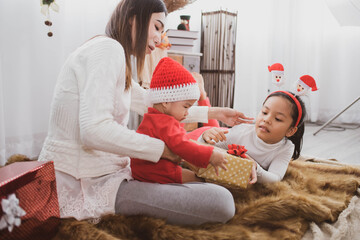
(214, 135)
(217, 160)
(168, 154)
(228, 116)
(253, 176)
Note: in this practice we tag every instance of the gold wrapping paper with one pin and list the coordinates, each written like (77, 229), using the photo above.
(237, 175)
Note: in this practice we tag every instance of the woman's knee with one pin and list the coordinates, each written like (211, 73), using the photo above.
(228, 207)
(222, 204)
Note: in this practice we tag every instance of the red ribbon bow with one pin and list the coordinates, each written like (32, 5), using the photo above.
(237, 150)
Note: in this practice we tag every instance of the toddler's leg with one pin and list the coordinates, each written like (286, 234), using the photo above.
(190, 203)
(190, 176)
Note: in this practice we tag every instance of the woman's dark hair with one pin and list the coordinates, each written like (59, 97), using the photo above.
(119, 28)
(297, 138)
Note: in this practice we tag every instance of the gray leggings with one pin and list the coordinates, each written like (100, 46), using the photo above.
(190, 203)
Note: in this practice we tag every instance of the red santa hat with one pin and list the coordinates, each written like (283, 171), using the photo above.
(309, 81)
(171, 82)
(276, 67)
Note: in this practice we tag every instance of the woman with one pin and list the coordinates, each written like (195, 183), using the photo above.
(90, 144)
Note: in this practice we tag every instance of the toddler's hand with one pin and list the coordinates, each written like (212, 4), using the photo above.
(217, 160)
(214, 135)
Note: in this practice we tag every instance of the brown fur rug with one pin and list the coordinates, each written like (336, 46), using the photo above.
(310, 192)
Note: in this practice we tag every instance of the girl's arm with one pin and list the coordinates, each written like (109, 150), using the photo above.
(277, 168)
(266, 176)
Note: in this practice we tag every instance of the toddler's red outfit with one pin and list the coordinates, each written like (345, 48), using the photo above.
(167, 128)
(170, 82)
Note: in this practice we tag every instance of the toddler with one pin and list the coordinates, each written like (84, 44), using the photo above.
(173, 90)
(275, 138)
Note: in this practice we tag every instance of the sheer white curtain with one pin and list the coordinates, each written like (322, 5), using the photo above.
(30, 62)
(305, 37)
(300, 34)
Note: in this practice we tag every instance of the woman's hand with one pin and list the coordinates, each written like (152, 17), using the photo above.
(214, 135)
(228, 116)
(168, 154)
(253, 176)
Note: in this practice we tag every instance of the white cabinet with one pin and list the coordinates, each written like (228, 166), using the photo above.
(191, 61)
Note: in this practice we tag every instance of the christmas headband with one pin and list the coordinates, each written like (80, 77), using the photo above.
(298, 105)
(303, 84)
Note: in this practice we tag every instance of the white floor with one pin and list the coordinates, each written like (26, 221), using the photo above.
(340, 142)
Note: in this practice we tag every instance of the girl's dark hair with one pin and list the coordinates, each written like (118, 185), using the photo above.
(119, 28)
(297, 138)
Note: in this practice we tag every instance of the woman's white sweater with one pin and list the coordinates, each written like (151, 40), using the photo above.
(88, 138)
(88, 134)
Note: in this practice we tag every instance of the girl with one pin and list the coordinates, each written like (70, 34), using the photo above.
(89, 141)
(275, 138)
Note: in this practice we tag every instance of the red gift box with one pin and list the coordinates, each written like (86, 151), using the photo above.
(33, 184)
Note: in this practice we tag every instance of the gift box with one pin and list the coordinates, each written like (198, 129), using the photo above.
(237, 175)
(29, 204)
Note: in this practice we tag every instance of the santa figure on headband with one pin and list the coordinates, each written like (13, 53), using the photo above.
(277, 72)
(304, 84)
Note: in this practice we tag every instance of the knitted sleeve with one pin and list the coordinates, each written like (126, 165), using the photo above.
(102, 70)
(138, 98)
(197, 114)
